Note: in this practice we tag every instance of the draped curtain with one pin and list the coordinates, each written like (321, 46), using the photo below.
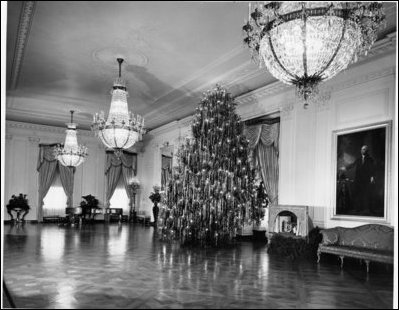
(264, 144)
(47, 166)
(114, 167)
(166, 170)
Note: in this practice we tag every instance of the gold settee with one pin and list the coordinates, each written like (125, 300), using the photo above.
(371, 242)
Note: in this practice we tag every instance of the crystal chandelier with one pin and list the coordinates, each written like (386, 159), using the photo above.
(305, 43)
(72, 154)
(121, 129)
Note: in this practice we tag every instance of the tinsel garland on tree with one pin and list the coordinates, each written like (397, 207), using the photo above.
(211, 194)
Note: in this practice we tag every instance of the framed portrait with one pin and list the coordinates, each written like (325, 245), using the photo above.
(361, 169)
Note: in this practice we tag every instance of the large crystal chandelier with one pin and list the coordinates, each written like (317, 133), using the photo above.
(122, 129)
(305, 43)
(71, 154)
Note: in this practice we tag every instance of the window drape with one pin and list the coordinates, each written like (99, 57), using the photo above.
(46, 166)
(128, 160)
(264, 144)
(112, 175)
(126, 166)
(166, 171)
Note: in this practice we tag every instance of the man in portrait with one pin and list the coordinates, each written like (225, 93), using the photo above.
(364, 180)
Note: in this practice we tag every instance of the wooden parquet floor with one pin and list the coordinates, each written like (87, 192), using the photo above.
(111, 266)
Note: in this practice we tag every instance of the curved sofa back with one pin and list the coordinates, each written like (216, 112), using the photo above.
(371, 236)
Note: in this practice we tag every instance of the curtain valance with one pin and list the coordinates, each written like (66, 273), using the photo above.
(127, 160)
(268, 134)
(46, 153)
(264, 145)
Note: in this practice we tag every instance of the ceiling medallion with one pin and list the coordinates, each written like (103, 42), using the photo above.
(122, 129)
(106, 56)
(71, 154)
(306, 43)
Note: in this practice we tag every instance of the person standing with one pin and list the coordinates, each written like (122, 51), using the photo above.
(363, 181)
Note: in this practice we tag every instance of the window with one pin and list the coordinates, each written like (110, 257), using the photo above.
(55, 201)
(120, 199)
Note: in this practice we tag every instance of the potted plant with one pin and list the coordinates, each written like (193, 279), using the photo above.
(155, 197)
(18, 204)
(88, 204)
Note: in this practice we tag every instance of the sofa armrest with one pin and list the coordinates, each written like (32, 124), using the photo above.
(330, 236)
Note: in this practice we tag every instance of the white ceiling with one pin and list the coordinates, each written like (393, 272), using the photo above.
(61, 56)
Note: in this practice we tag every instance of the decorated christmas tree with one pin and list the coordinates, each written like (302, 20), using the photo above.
(211, 194)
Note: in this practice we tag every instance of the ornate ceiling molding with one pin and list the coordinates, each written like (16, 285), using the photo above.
(179, 124)
(25, 24)
(13, 114)
(33, 140)
(45, 128)
(286, 111)
(268, 90)
(362, 79)
(244, 72)
(383, 46)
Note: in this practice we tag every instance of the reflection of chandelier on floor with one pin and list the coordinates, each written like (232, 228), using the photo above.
(71, 154)
(122, 129)
(305, 43)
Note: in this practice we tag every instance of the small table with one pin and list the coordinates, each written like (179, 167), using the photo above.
(113, 214)
(18, 211)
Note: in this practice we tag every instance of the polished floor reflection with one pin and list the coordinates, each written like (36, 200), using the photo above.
(126, 266)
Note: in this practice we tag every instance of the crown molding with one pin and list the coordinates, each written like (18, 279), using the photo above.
(278, 87)
(44, 128)
(25, 24)
(13, 113)
(185, 122)
(383, 46)
(361, 79)
(268, 90)
(33, 140)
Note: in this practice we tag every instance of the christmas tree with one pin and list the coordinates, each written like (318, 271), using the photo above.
(211, 194)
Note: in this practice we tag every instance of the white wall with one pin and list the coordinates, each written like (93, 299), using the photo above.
(22, 150)
(362, 95)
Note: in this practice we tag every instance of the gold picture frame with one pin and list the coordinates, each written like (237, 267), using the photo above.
(361, 172)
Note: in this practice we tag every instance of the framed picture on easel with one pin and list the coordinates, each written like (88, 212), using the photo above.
(361, 168)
